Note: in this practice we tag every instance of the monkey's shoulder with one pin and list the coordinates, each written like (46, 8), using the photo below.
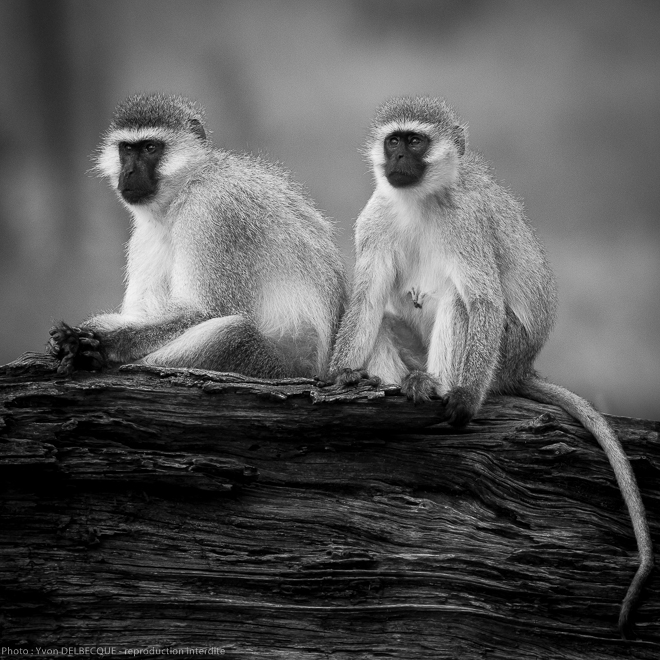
(479, 194)
(252, 172)
(477, 177)
(252, 183)
(231, 190)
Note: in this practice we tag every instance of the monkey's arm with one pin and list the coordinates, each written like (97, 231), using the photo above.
(476, 325)
(477, 341)
(126, 338)
(117, 338)
(373, 281)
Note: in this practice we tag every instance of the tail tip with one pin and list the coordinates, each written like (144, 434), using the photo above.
(626, 628)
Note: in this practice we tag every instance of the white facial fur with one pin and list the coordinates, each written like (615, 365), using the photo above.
(181, 151)
(441, 160)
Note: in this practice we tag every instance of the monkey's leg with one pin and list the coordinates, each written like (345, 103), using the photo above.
(518, 349)
(228, 343)
(445, 357)
(387, 361)
(475, 355)
(463, 355)
(448, 328)
(115, 338)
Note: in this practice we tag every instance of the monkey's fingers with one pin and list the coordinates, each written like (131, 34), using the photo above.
(67, 355)
(62, 330)
(460, 407)
(352, 377)
(419, 386)
(88, 343)
(76, 348)
(66, 367)
(92, 360)
(91, 355)
(347, 379)
(320, 383)
(53, 347)
(63, 340)
(84, 334)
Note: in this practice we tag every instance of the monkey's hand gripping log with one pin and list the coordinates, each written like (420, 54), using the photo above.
(351, 377)
(76, 348)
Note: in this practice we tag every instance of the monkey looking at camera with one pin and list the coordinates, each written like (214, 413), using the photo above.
(230, 267)
(453, 295)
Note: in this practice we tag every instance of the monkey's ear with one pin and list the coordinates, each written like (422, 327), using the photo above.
(459, 136)
(197, 128)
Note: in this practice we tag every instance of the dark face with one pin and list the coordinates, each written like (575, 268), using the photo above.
(404, 152)
(138, 181)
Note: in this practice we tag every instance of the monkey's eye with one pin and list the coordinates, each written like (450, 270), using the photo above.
(392, 141)
(417, 141)
(150, 147)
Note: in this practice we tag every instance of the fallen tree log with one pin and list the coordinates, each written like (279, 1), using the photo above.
(157, 511)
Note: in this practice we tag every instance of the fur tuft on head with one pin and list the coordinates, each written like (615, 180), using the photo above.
(159, 111)
(172, 119)
(415, 108)
(425, 114)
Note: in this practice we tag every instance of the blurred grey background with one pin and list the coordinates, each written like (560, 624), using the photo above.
(562, 97)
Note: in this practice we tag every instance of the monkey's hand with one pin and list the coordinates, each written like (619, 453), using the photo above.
(419, 386)
(460, 406)
(350, 377)
(76, 348)
(345, 378)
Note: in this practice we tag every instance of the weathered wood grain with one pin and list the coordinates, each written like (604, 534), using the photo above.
(169, 508)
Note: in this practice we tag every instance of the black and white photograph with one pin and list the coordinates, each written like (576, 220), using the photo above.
(331, 329)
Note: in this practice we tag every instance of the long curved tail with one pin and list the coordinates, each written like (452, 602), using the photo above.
(544, 392)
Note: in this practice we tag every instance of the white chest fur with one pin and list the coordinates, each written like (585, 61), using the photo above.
(426, 283)
(424, 267)
(149, 265)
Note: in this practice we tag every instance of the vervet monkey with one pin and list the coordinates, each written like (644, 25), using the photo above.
(453, 295)
(230, 267)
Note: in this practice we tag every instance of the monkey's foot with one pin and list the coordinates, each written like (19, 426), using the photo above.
(351, 377)
(345, 378)
(419, 386)
(75, 348)
(460, 406)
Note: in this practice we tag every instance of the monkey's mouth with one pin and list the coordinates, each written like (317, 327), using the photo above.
(137, 196)
(402, 179)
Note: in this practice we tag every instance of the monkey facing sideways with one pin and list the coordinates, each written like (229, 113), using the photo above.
(453, 295)
(230, 267)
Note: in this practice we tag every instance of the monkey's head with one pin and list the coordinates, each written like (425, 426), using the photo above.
(415, 143)
(151, 139)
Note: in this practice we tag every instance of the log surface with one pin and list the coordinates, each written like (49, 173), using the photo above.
(168, 509)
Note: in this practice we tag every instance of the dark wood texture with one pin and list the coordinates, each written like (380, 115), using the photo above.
(169, 508)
